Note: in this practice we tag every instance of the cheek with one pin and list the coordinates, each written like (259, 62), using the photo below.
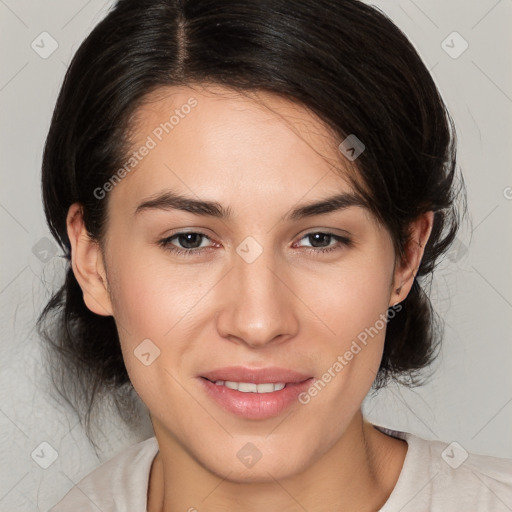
(353, 310)
(151, 297)
(353, 299)
(159, 310)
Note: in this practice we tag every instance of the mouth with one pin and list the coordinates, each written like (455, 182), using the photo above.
(254, 393)
(251, 387)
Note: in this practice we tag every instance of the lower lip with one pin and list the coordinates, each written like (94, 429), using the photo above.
(255, 406)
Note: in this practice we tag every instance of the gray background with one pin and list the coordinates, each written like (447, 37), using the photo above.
(469, 400)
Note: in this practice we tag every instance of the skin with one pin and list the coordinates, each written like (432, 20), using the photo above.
(291, 307)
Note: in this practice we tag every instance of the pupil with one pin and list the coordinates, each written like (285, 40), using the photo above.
(319, 237)
(190, 240)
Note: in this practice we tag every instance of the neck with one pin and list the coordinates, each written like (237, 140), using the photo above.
(357, 473)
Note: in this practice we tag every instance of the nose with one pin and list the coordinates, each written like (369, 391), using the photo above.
(258, 306)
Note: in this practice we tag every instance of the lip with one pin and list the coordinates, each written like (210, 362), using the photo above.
(271, 374)
(255, 406)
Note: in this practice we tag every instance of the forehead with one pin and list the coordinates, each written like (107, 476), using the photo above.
(217, 141)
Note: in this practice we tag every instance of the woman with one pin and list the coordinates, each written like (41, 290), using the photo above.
(249, 193)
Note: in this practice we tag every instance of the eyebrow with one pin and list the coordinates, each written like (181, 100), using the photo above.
(172, 201)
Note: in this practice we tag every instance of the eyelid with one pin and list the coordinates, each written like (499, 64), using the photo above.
(337, 232)
(343, 241)
(166, 241)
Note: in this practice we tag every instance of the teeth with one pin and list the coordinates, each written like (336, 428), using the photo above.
(250, 387)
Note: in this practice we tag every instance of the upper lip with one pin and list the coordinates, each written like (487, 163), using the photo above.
(270, 374)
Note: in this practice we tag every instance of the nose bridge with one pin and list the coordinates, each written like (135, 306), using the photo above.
(259, 307)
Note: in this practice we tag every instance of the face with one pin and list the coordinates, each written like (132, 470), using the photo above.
(193, 291)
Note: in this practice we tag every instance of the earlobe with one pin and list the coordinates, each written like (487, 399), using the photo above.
(87, 264)
(407, 268)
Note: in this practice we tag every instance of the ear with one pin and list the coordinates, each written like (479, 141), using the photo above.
(407, 267)
(87, 263)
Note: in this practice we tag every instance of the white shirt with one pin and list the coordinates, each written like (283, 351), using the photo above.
(435, 477)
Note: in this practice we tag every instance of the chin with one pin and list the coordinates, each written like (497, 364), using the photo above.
(250, 464)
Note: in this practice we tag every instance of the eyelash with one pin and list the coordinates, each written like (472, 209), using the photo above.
(168, 246)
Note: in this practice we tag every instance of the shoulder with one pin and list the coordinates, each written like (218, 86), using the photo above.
(115, 483)
(442, 476)
(484, 482)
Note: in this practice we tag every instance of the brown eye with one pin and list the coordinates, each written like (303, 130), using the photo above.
(189, 240)
(185, 243)
(322, 241)
(319, 239)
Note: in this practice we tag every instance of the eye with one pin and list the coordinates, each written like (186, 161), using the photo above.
(321, 242)
(189, 243)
